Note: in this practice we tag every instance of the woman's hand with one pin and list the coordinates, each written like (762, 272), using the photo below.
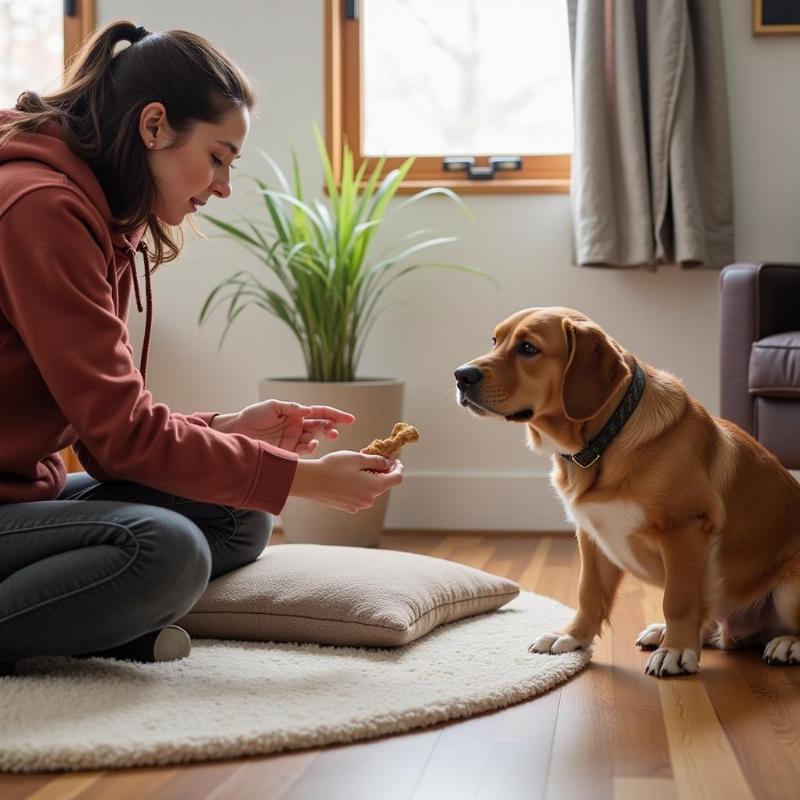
(289, 426)
(346, 480)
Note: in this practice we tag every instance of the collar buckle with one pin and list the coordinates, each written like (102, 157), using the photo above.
(585, 460)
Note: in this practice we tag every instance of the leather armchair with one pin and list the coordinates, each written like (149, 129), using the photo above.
(760, 355)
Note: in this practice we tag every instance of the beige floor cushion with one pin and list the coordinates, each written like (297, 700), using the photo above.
(347, 596)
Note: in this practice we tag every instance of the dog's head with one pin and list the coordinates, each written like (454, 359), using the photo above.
(544, 363)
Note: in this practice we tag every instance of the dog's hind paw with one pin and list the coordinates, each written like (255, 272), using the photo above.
(652, 636)
(668, 661)
(782, 650)
(555, 643)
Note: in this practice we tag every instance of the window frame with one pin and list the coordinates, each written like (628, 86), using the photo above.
(541, 174)
(78, 25)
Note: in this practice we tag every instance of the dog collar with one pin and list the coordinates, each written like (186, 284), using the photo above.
(591, 451)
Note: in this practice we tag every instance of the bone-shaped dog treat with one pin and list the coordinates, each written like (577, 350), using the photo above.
(402, 433)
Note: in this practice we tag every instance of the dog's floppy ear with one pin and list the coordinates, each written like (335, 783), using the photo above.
(595, 370)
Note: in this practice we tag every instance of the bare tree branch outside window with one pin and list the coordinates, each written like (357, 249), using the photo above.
(449, 76)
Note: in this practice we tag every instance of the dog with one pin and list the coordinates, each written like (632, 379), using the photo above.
(654, 485)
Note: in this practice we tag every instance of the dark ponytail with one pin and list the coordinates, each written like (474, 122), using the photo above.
(102, 97)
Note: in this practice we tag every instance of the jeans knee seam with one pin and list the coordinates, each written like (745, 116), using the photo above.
(235, 531)
(232, 514)
(92, 585)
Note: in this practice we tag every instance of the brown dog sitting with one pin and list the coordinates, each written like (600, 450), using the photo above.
(654, 485)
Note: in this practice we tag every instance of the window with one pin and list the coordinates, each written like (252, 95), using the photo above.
(36, 37)
(479, 92)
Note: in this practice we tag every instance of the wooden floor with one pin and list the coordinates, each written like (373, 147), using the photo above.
(731, 732)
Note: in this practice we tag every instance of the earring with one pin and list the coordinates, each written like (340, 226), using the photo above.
(151, 144)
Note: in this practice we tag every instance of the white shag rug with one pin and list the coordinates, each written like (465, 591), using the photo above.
(231, 699)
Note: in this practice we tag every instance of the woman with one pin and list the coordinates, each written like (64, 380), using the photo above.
(102, 562)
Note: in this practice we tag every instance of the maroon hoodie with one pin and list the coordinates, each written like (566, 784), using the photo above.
(67, 373)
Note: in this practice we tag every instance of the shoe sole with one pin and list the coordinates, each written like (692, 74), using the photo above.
(171, 644)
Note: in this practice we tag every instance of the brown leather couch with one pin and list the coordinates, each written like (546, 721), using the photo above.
(760, 354)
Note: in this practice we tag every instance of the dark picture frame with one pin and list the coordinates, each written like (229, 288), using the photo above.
(771, 17)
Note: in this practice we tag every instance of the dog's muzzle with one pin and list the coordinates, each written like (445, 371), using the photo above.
(468, 377)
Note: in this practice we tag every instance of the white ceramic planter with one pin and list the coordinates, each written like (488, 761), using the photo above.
(377, 404)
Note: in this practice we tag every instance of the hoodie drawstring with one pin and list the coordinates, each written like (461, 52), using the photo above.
(148, 319)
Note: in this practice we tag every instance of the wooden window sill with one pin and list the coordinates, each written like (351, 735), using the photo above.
(496, 186)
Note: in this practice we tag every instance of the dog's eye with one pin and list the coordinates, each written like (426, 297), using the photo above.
(493, 340)
(527, 349)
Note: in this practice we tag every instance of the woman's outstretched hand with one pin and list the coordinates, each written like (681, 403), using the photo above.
(290, 426)
(346, 480)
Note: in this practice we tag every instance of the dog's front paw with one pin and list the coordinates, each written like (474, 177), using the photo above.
(652, 636)
(671, 661)
(782, 650)
(555, 643)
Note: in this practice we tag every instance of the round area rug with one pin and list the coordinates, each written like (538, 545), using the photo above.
(232, 699)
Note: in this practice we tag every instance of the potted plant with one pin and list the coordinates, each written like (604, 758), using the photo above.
(318, 276)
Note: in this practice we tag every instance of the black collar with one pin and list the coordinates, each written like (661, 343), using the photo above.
(591, 452)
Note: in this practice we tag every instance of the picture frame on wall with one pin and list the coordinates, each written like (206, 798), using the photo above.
(771, 17)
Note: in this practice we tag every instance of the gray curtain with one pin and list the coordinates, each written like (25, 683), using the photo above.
(651, 166)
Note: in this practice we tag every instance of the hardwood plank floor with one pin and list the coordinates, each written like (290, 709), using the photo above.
(731, 732)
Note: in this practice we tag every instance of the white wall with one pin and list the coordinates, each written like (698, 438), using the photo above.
(467, 473)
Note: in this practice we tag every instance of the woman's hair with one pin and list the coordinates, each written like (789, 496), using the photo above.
(99, 105)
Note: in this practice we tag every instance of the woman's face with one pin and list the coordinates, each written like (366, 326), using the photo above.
(198, 166)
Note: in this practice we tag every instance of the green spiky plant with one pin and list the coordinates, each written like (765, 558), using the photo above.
(319, 254)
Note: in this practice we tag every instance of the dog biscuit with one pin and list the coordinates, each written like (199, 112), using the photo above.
(402, 433)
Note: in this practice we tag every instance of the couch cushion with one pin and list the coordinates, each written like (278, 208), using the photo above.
(347, 596)
(775, 366)
(778, 428)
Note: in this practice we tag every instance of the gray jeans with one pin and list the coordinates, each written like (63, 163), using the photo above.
(106, 563)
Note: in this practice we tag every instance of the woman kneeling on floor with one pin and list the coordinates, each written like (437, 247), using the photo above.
(101, 562)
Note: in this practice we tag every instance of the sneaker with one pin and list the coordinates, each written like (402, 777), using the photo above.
(165, 644)
(171, 644)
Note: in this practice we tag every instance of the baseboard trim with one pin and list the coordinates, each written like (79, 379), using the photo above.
(398, 534)
(483, 502)
(477, 500)
(480, 501)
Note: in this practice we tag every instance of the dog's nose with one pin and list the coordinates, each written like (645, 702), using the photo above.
(467, 376)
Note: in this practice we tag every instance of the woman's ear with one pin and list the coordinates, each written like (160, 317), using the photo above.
(154, 127)
(595, 370)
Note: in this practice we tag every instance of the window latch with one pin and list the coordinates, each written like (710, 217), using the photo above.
(481, 172)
